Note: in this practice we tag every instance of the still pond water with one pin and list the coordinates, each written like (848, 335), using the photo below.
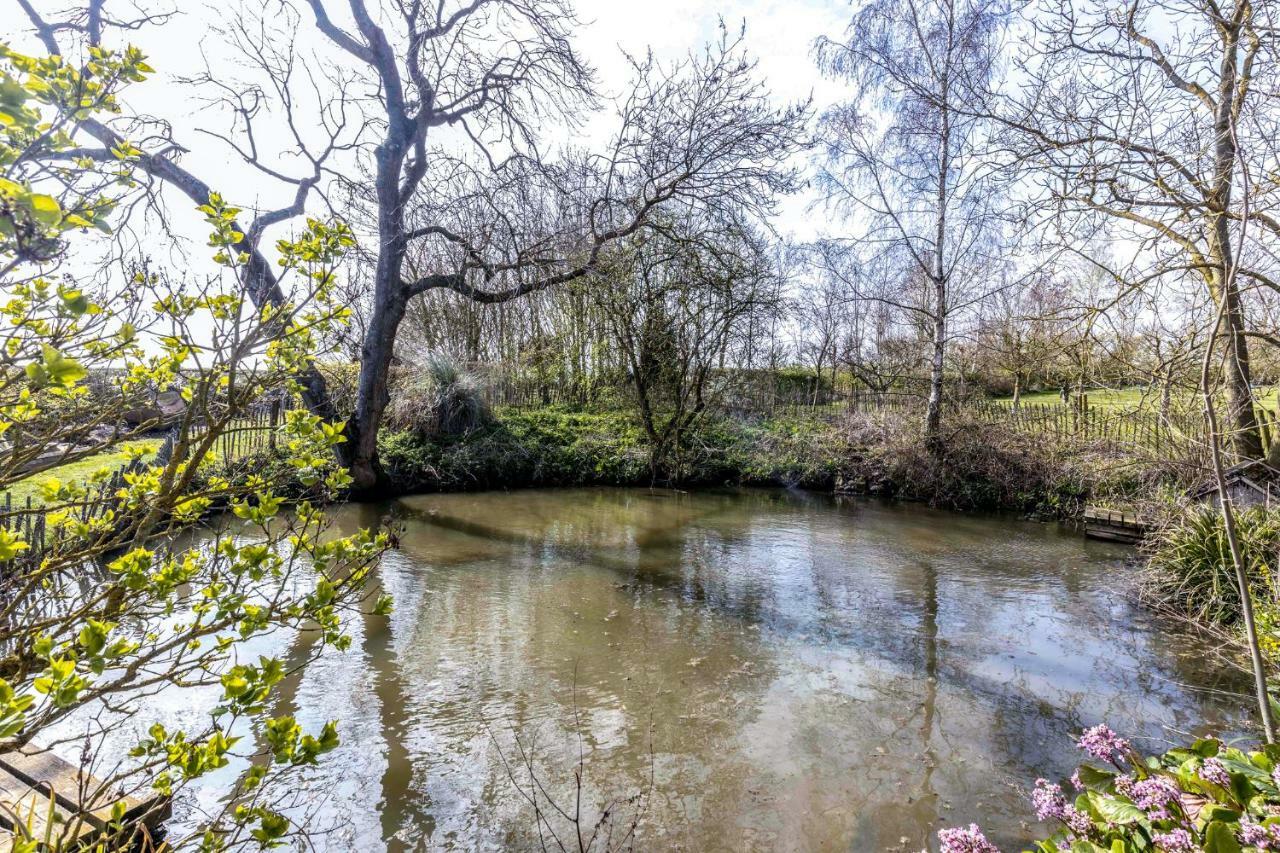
(742, 670)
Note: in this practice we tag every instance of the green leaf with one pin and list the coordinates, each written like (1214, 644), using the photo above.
(45, 209)
(1206, 747)
(1114, 810)
(1218, 838)
(1095, 779)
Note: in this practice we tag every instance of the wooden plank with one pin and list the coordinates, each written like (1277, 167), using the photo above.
(31, 774)
(31, 807)
(51, 774)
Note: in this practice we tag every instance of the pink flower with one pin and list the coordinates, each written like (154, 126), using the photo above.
(1215, 772)
(1259, 836)
(1103, 744)
(1175, 841)
(1048, 800)
(1153, 795)
(1051, 804)
(961, 840)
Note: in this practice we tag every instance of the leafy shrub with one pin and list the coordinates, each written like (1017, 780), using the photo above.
(1208, 796)
(545, 447)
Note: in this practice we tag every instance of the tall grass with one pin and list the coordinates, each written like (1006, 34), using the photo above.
(1191, 570)
(439, 399)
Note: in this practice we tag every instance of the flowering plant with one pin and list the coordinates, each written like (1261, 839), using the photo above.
(1208, 796)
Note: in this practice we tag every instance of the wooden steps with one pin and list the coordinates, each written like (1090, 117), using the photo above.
(36, 785)
(1114, 525)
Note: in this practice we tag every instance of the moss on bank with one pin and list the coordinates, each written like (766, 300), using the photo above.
(984, 466)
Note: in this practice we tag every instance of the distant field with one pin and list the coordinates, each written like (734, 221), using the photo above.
(76, 472)
(1126, 398)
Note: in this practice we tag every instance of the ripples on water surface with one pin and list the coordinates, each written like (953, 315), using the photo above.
(793, 672)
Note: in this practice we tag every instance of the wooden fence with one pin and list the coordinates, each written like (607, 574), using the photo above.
(30, 522)
(1075, 423)
(1084, 424)
(254, 433)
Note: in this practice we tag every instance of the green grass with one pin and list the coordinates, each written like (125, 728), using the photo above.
(79, 471)
(1128, 398)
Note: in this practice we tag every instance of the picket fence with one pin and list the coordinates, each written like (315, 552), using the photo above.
(253, 433)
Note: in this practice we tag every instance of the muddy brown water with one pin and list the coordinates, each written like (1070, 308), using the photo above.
(746, 670)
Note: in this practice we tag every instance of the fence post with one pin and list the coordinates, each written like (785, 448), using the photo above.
(275, 422)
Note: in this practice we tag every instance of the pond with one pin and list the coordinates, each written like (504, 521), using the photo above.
(730, 670)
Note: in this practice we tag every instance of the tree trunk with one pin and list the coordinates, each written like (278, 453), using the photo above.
(390, 298)
(933, 411)
(1242, 421)
(360, 452)
(1166, 394)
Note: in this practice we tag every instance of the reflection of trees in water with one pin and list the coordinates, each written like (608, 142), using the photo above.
(521, 596)
(510, 627)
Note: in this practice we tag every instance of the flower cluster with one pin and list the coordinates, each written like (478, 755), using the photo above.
(1259, 836)
(1103, 744)
(1207, 796)
(1051, 804)
(1154, 795)
(1215, 772)
(1175, 841)
(961, 840)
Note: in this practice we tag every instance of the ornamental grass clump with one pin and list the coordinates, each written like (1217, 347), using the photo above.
(1208, 796)
(438, 400)
(1191, 570)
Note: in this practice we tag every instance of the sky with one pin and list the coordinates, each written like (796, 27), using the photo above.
(779, 33)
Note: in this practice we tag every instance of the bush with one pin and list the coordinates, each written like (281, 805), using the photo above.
(439, 400)
(1190, 568)
(545, 447)
(982, 466)
(1204, 797)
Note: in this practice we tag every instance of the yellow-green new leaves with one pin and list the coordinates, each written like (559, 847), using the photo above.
(246, 687)
(61, 682)
(309, 443)
(54, 369)
(11, 545)
(189, 759)
(41, 98)
(290, 745)
(271, 826)
(13, 709)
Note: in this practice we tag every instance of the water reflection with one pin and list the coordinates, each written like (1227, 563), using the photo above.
(792, 672)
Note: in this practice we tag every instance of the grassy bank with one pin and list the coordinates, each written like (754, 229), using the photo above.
(983, 467)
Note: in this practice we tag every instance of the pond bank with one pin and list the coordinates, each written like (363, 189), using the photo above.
(985, 467)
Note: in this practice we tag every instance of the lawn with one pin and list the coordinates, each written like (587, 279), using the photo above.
(79, 471)
(1126, 398)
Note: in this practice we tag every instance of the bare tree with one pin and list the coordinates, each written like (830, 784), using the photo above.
(822, 310)
(909, 154)
(676, 302)
(497, 218)
(1021, 331)
(155, 154)
(1136, 115)
(438, 114)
